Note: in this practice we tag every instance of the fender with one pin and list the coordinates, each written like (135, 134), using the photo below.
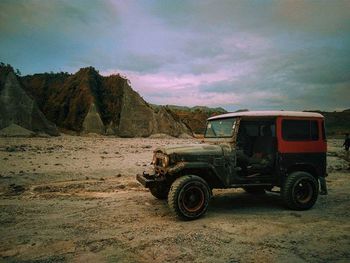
(182, 166)
(306, 167)
(314, 163)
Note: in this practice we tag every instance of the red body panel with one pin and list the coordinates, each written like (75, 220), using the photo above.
(319, 146)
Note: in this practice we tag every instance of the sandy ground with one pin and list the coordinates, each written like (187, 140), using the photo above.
(75, 199)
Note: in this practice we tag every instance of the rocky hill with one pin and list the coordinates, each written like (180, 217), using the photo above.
(194, 117)
(19, 113)
(337, 123)
(88, 102)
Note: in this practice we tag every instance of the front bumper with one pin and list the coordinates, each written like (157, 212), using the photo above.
(147, 180)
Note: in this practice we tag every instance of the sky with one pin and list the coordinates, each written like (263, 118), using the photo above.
(257, 55)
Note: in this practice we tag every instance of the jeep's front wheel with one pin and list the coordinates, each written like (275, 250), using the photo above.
(300, 191)
(189, 197)
(159, 190)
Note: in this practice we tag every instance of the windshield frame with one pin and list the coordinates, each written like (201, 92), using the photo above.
(221, 119)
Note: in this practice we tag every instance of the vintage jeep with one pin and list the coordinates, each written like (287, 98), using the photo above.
(254, 150)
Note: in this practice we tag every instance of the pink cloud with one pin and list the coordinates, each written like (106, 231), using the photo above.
(250, 43)
(185, 89)
(157, 82)
(167, 88)
(150, 83)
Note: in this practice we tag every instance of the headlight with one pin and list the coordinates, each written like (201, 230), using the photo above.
(154, 160)
(165, 162)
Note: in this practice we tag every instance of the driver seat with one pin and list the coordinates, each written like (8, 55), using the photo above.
(262, 159)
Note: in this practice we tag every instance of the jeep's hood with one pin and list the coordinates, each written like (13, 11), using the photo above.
(192, 149)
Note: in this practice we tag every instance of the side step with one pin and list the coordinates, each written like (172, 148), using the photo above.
(246, 185)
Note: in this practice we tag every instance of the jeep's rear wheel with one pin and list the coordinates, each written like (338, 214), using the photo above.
(300, 191)
(159, 190)
(189, 197)
(256, 190)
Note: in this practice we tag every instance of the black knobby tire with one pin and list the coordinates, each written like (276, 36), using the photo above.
(189, 197)
(160, 191)
(256, 190)
(300, 191)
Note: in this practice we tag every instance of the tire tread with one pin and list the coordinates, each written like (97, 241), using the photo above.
(176, 188)
(288, 187)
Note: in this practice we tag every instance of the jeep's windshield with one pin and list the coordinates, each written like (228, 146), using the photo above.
(220, 128)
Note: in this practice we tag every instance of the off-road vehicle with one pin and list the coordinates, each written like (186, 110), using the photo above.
(254, 150)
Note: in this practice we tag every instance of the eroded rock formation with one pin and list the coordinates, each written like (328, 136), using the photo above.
(16, 107)
(195, 117)
(89, 102)
(92, 122)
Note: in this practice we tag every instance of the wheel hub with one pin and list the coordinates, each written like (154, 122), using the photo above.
(193, 199)
(303, 191)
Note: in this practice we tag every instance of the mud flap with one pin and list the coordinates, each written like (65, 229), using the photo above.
(323, 186)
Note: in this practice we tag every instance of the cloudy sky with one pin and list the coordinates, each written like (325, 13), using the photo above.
(290, 55)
